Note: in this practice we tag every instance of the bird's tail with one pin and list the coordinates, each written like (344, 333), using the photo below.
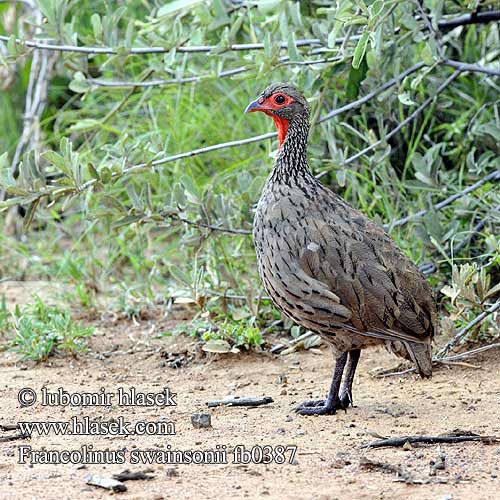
(422, 357)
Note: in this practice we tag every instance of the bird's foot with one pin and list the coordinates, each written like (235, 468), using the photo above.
(346, 400)
(319, 407)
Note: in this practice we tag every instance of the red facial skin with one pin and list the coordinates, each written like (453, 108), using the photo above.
(266, 105)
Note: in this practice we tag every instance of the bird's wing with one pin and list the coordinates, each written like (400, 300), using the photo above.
(387, 296)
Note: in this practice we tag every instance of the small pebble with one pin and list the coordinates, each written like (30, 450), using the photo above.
(201, 420)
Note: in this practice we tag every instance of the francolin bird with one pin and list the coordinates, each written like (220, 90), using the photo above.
(330, 268)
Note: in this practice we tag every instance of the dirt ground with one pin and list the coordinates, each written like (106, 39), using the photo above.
(329, 462)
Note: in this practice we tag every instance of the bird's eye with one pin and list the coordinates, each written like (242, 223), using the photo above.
(279, 99)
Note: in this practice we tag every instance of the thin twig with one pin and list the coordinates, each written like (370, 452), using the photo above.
(474, 18)
(374, 93)
(198, 78)
(439, 360)
(472, 234)
(408, 119)
(446, 25)
(464, 331)
(35, 101)
(476, 68)
(13, 437)
(240, 402)
(35, 44)
(492, 176)
(211, 226)
(451, 438)
(467, 354)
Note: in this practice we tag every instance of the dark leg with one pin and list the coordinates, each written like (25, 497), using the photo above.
(346, 392)
(330, 405)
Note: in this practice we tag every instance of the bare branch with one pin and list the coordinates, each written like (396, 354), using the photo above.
(471, 67)
(464, 331)
(475, 230)
(440, 360)
(35, 101)
(204, 225)
(493, 176)
(407, 120)
(197, 78)
(312, 42)
(466, 354)
(374, 93)
(474, 18)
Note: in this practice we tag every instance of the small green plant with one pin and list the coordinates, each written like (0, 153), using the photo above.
(229, 336)
(40, 330)
(470, 294)
(5, 317)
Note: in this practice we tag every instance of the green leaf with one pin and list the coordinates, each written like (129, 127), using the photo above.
(359, 51)
(175, 6)
(56, 159)
(217, 346)
(79, 84)
(426, 54)
(292, 48)
(405, 98)
(84, 125)
(6, 177)
(106, 175)
(93, 172)
(95, 20)
(356, 77)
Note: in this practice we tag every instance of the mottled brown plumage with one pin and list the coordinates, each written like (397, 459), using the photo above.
(330, 268)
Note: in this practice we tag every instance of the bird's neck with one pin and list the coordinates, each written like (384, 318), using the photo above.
(291, 161)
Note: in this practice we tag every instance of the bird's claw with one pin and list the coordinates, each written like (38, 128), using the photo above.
(319, 407)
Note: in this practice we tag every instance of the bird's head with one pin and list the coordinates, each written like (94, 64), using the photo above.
(283, 103)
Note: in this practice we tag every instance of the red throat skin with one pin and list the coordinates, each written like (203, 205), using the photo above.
(282, 126)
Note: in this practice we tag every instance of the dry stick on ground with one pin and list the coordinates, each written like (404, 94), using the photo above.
(451, 438)
(240, 402)
(13, 437)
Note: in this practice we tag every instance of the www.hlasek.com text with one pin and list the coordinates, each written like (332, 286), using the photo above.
(84, 426)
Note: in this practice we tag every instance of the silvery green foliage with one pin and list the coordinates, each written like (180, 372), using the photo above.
(153, 229)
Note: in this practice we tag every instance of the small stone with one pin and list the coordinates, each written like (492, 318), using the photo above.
(201, 420)
(171, 472)
(301, 432)
(407, 446)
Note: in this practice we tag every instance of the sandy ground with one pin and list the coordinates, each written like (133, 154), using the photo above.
(329, 459)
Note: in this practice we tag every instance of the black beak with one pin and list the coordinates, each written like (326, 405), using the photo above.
(253, 106)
